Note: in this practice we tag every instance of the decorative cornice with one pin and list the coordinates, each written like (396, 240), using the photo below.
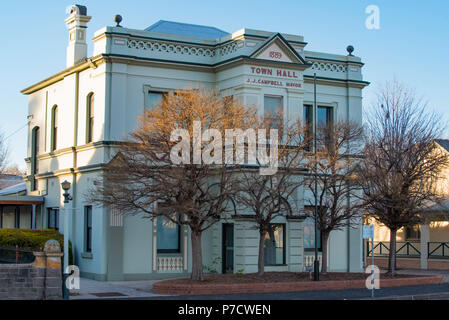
(340, 82)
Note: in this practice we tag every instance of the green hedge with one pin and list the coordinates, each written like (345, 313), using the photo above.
(32, 239)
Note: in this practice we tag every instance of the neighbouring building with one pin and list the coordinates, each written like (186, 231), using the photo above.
(17, 210)
(81, 113)
(424, 246)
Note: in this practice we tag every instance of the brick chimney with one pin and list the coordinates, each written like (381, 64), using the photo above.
(77, 25)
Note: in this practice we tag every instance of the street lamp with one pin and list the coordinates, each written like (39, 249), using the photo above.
(67, 198)
(316, 262)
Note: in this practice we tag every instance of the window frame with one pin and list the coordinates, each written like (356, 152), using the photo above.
(54, 127)
(309, 117)
(56, 212)
(319, 237)
(410, 233)
(88, 228)
(163, 251)
(284, 245)
(281, 97)
(90, 108)
(35, 137)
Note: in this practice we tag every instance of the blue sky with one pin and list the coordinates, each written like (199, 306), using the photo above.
(411, 45)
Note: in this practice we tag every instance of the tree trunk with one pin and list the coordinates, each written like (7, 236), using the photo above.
(261, 261)
(197, 258)
(392, 253)
(324, 253)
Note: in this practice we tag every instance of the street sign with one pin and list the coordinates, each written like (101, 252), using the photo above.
(368, 232)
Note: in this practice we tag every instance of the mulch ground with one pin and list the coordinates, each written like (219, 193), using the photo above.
(269, 277)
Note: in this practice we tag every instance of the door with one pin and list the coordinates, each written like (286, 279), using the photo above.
(228, 248)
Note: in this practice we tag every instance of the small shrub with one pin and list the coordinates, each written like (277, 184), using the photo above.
(32, 239)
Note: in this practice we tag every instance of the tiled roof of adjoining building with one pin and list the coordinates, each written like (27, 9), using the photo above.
(8, 180)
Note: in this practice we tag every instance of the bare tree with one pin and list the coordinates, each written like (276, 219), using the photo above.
(15, 170)
(334, 166)
(3, 153)
(159, 175)
(3, 156)
(269, 196)
(402, 163)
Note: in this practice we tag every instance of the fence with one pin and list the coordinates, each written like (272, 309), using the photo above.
(41, 279)
(410, 249)
(15, 255)
(439, 250)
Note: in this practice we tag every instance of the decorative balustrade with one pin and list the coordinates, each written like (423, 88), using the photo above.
(328, 66)
(170, 263)
(308, 261)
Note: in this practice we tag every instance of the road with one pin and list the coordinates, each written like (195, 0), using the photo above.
(415, 292)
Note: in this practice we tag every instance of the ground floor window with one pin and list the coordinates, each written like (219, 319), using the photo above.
(309, 235)
(10, 219)
(274, 247)
(88, 228)
(168, 236)
(412, 233)
(53, 218)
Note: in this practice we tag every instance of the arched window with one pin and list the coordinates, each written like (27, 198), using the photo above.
(54, 128)
(34, 154)
(90, 117)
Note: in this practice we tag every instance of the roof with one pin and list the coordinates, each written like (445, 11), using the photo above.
(8, 180)
(14, 189)
(21, 200)
(186, 29)
(444, 143)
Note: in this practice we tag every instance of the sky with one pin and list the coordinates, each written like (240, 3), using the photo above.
(411, 45)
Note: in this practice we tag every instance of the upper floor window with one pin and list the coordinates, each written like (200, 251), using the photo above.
(324, 118)
(324, 115)
(90, 118)
(273, 110)
(54, 128)
(154, 98)
(34, 154)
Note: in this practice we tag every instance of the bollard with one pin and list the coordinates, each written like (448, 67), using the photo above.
(65, 290)
(17, 254)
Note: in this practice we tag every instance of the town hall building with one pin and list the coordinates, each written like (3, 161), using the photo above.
(79, 116)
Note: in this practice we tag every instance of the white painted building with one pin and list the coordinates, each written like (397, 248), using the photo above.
(80, 113)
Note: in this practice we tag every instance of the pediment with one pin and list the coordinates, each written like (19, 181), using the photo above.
(278, 49)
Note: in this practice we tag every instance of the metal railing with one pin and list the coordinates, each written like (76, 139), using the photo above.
(403, 248)
(438, 250)
(11, 255)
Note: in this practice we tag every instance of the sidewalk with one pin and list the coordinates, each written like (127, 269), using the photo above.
(92, 289)
(444, 273)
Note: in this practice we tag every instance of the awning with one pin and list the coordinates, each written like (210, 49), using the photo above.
(21, 200)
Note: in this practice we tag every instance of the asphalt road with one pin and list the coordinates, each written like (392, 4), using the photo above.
(354, 294)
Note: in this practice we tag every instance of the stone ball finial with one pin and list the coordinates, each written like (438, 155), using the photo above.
(350, 50)
(52, 246)
(117, 19)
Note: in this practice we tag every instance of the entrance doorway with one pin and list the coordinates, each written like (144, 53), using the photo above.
(228, 248)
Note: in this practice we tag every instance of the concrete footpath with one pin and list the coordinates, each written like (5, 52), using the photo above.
(92, 289)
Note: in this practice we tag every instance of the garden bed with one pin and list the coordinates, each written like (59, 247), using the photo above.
(282, 282)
